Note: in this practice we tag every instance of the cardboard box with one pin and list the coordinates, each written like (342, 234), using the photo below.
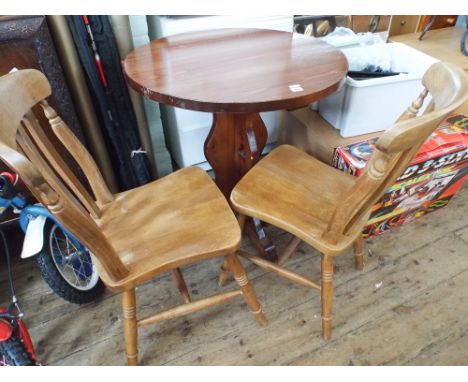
(308, 131)
(431, 179)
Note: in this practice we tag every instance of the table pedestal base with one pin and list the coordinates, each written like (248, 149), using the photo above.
(233, 146)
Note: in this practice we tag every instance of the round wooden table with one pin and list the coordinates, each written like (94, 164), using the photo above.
(235, 74)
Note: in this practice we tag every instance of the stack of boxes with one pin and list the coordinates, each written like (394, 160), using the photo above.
(432, 178)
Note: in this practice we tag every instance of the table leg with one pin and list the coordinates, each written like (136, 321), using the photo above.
(233, 146)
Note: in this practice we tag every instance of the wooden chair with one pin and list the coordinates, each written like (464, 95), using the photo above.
(328, 208)
(134, 235)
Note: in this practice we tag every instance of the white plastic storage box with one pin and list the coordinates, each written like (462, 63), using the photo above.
(365, 106)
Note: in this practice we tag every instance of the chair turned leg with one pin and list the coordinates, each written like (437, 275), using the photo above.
(130, 326)
(181, 285)
(247, 290)
(359, 253)
(289, 250)
(327, 295)
(223, 276)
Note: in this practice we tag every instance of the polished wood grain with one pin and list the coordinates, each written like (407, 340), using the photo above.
(180, 218)
(235, 70)
(134, 235)
(328, 208)
(282, 189)
(235, 74)
(233, 146)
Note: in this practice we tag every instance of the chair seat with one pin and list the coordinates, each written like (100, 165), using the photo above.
(295, 192)
(179, 219)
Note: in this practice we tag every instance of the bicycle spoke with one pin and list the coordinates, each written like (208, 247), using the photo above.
(76, 265)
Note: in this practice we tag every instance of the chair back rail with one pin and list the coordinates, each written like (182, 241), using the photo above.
(77, 150)
(448, 87)
(44, 147)
(26, 150)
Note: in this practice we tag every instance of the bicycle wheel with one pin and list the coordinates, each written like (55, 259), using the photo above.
(14, 353)
(68, 271)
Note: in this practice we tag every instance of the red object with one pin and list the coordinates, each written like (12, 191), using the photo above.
(13, 178)
(97, 58)
(100, 69)
(23, 333)
(6, 330)
(432, 178)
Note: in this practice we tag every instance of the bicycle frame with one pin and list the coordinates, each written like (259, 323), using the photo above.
(45, 239)
(28, 212)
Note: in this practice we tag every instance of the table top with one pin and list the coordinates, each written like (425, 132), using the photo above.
(236, 70)
(443, 44)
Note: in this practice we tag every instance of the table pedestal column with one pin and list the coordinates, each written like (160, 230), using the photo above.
(233, 146)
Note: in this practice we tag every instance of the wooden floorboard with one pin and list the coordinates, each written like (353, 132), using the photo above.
(408, 307)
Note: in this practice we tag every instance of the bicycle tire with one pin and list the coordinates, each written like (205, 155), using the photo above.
(55, 280)
(14, 353)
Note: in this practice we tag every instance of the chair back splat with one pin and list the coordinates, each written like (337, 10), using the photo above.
(448, 88)
(51, 180)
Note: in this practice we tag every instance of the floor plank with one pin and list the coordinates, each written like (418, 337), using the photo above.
(408, 307)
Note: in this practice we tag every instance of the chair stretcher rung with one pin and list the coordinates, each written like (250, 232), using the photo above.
(191, 307)
(271, 267)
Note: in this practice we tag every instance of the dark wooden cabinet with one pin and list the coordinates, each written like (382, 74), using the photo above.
(25, 43)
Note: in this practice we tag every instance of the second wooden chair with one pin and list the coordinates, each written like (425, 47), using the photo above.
(328, 208)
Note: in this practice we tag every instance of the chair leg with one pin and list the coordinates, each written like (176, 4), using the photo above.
(247, 290)
(327, 295)
(181, 285)
(130, 326)
(289, 250)
(223, 276)
(359, 253)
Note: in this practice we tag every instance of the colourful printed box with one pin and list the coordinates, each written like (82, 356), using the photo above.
(432, 178)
